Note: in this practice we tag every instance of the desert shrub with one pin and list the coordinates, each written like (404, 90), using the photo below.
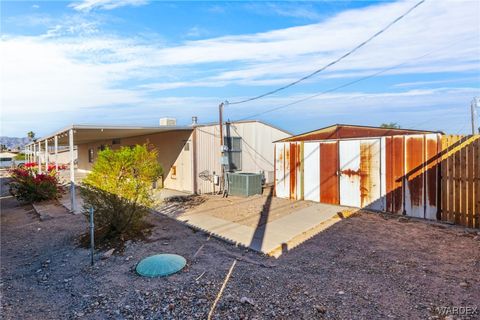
(30, 186)
(119, 188)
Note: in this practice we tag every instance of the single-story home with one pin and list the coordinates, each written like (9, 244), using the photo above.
(189, 155)
(387, 169)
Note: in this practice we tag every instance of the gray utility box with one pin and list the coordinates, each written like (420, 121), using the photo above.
(244, 184)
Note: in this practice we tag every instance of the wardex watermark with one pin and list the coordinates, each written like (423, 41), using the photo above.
(457, 311)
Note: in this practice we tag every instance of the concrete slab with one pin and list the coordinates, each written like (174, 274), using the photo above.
(65, 201)
(275, 237)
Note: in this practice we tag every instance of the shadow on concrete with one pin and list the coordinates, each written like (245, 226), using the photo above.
(259, 234)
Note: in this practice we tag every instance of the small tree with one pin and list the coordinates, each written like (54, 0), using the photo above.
(391, 125)
(119, 188)
(31, 135)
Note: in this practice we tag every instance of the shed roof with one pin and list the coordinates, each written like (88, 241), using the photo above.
(347, 131)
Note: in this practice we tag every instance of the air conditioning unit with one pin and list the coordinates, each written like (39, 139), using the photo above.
(244, 184)
(168, 122)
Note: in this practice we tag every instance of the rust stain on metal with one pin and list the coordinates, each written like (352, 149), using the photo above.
(389, 187)
(351, 172)
(414, 164)
(328, 173)
(395, 164)
(365, 177)
(293, 170)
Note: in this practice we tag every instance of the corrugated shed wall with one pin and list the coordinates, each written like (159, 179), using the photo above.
(397, 174)
(257, 149)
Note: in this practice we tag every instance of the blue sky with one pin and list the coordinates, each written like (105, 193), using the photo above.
(134, 61)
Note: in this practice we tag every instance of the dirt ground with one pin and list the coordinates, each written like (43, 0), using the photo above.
(370, 266)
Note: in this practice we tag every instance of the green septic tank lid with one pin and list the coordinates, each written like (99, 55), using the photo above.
(160, 265)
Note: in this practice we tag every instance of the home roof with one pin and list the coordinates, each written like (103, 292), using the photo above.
(347, 131)
(91, 133)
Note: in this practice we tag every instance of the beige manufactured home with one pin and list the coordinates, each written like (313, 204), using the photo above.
(190, 155)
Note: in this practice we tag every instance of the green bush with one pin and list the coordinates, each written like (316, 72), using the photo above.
(119, 188)
(28, 185)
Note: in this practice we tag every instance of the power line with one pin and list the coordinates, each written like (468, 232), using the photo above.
(333, 62)
(326, 91)
(346, 84)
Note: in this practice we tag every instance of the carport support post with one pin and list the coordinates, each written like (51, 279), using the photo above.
(72, 172)
(46, 155)
(55, 140)
(39, 159)
(34, 159)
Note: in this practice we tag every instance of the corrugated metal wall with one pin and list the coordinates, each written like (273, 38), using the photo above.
(397, 174)
(257, 149)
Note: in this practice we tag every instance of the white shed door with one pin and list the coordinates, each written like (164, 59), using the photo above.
(349, 152)
(282, 171)
(311, 169)
(360, 173)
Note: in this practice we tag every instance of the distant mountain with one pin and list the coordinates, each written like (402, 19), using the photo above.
(14, 142)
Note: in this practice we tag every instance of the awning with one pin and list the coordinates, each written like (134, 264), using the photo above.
(92, 133)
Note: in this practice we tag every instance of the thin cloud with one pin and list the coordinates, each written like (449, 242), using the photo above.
(295, 10)
(89, 5)
(88, 68)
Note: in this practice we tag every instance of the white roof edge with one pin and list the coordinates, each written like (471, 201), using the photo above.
(113, 127)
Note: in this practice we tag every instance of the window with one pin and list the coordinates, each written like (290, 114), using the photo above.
(174, 172)
(101, 148)
(234, 152)
(186, 147)
(90, 155)
(116, 141)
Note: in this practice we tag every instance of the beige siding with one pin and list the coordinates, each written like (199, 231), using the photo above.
(171, 155)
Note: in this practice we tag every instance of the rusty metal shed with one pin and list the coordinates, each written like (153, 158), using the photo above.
(394, 170)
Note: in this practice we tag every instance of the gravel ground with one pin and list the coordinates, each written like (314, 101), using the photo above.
(370, 266)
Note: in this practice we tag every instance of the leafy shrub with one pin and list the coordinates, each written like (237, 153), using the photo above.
(119, 188)
(29, 186)
(20, 156)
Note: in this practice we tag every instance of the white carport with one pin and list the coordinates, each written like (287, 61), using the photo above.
(80, 134)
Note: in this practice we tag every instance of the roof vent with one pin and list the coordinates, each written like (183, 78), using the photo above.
(168, 122)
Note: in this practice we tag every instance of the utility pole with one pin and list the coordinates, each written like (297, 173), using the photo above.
(222, 181)
(220, 123)
(474, 106)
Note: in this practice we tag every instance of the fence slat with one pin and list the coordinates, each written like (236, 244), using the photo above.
(463, 186)
(460, 180)
(477, 182)
(470, 189)
(456, 182)
(444, 213)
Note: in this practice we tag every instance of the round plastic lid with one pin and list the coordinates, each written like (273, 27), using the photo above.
(160, 265)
